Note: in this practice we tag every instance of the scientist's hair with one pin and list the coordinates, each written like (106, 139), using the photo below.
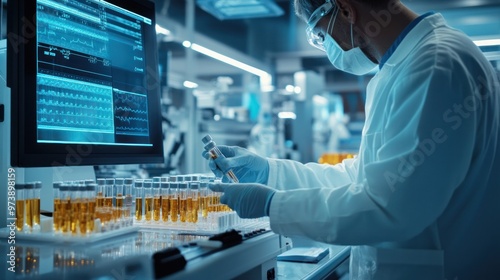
(304, 8)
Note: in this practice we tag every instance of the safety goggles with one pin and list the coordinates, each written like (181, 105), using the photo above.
(316, 39)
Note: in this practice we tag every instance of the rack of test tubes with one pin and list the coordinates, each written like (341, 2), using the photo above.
(184, 203)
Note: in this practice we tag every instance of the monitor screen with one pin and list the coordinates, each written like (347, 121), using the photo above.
(84, 81)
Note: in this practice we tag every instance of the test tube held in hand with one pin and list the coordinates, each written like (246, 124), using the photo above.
(214, 153)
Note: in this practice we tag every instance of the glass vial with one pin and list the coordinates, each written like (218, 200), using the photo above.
(148, 197)
(138, 191)
(20, 203)
(214, 152)
(156, 200)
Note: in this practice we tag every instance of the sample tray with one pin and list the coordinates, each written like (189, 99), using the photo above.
(70, 239)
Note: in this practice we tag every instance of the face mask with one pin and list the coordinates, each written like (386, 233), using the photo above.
(353, 61)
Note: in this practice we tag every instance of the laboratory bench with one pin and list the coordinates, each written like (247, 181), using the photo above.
(144, 253)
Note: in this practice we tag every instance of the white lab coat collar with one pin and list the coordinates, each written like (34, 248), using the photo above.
(416, 35)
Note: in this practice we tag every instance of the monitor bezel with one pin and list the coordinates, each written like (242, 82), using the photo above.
(25, 150)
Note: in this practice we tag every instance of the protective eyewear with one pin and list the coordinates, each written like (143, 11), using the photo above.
(316, 39)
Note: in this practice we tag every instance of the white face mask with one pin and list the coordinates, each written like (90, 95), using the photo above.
(353, 61)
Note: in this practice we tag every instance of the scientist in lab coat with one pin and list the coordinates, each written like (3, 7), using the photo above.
(422, 198)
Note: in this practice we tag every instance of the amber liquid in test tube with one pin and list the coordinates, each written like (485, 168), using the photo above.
(195, 196)
(65, 208)
(108, 199)
(204, 199)
(119, 198)
(148, 197)
(20, 207)
(214, 152)
(56, 214)
(84, 210)
(165, 202)
(75, 208)
(127, 203)
(174, 201)
(101, 190)
(183, 198)
(138, 189)
(156, 201)
(92, 207)
(28, 207)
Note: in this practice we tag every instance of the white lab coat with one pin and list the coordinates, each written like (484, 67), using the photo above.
(422, 198)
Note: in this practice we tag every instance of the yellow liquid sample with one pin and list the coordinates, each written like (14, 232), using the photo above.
(66, 215)
(84, 216)
(19, 214)
(165, 208)
(138, 208)
(100, 199)
(36, 211)
(149, 208)
(56, 215)
(204, 207)
(108, 201)
(182, 209)
(119, 201)
(91, 218)
(194, 213)
(75, 217)
(156, 208)
(29, 212)
(174, 208)
(118, 211)
(189, 209)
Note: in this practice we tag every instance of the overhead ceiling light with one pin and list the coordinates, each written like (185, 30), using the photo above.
(190, 84)
(287, 115)
(487, 42)
(237, 9)
(226, 59)
(162, 30)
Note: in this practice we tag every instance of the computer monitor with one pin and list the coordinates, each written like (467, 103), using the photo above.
(84, 82)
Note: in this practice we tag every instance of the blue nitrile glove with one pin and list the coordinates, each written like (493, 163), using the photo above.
(248, 200)
(247, 166)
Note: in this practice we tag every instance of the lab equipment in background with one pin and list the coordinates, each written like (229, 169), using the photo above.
(214, 152)
(263, 136)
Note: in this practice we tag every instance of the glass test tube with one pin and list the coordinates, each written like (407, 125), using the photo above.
(127, 203)
(84, 209)
(108, 198)
(214, 152)
(165, 202)
(56, 214)
(75, 208)
(20, 203)
(183, 197)
(119, 199)
(28, 207)
(91, 188)
(156, 201)
(204, 199)
(148, 198)
(65, 208)
(36, 206)
(101, 190)
(138, 190)
(195, 196)
(174, 201)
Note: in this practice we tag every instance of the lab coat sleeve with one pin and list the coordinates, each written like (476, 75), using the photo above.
(288, 175)
(422, 156)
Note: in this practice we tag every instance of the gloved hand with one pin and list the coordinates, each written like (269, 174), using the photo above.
(248, 200)
(247, 166)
